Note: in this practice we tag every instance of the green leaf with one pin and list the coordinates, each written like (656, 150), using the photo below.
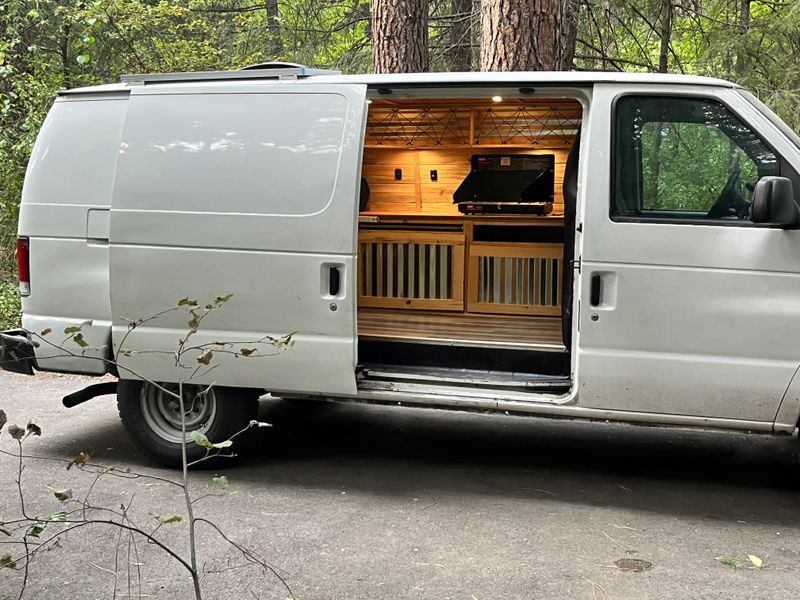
(16, 432)
(36, 529)
(63, 495)
(205, 357)
(71, 330)
(201, 440)
(34, 429)
(33, 14)
(223, 299)
(83, 59)
(78, 339)
(220, 481)
(187, 302)
(730, 561)
(172, 519)
(7, 562)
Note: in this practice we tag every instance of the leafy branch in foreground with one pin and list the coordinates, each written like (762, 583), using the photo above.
(30, 533)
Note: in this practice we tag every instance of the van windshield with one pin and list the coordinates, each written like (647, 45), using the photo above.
(776, 120)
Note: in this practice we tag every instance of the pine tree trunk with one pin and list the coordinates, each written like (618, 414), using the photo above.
(744, 28)
(528, 35)
(666, 34)
(400, 36)
(274, 44)
(459, 52)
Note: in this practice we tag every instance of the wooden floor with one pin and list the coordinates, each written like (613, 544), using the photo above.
(460, 329)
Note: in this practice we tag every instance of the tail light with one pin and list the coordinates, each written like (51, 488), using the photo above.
(24, 266)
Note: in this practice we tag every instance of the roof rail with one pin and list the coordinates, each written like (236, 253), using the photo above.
(267, 70)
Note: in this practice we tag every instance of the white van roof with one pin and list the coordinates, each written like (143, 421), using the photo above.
(400, 80)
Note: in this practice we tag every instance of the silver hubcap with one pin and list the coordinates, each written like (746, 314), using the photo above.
(162, 411)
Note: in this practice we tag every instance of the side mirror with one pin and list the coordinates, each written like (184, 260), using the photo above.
(774, 203)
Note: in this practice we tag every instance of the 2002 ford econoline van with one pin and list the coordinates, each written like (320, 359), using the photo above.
(643, 266)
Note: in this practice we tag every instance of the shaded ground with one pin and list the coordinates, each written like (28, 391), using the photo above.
(374, 502)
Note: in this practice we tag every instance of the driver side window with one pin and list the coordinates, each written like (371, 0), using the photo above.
(685, 158)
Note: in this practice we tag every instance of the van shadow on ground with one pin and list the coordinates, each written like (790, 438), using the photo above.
(386, 450)
(418, 452)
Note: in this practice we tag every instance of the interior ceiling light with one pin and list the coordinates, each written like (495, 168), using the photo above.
(497, 98)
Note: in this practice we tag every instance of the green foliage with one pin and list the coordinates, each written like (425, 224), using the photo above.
(759, 49)
(690, 166)
(9, 300)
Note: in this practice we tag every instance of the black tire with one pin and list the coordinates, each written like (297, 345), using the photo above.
(152, 418)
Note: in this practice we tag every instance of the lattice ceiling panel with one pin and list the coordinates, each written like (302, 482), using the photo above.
(418, 126)
(546, 126)
(535, 123)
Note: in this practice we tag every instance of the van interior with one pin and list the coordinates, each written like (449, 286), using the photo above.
(463, 225)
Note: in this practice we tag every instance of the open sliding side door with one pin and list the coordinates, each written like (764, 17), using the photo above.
(249, 190)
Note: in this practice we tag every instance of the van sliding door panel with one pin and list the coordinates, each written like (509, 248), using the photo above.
(251, 194)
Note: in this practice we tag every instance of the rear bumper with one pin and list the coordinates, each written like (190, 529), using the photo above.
(16, 352)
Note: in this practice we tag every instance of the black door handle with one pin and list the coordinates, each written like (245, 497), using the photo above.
(334, 281)
(596, 290)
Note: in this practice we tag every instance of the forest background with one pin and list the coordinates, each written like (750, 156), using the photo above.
(47, 45)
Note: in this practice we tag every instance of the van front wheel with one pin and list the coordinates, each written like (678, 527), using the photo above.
(152, 416)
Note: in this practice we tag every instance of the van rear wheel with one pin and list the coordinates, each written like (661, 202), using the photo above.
(152, 417)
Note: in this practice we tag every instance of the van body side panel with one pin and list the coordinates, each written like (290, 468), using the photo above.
(696, 320)
(65, 202)
(788, 417)
(252, 194)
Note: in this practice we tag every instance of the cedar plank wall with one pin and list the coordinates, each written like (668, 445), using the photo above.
(404, 140)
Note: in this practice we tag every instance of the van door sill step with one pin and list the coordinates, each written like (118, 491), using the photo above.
(468, 378)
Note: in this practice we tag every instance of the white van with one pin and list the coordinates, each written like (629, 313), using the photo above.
(600, 246)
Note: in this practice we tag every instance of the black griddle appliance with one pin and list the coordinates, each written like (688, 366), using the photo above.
(508, 183)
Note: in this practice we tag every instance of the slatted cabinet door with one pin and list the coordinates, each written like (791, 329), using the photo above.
(515, 278)
(411, 269)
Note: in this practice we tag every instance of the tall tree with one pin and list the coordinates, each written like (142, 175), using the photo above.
(744, 29)
(666, 34)
(528, 35)
(459, 51)
(400, 36)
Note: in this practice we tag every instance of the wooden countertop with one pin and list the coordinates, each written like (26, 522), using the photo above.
(369, 217)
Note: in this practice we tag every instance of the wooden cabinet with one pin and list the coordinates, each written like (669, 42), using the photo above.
(501, 264)
(411, 269)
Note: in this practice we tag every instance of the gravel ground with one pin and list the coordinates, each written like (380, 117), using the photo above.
(349, 501)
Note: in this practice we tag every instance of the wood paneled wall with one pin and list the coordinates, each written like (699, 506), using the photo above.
(421, 136)
(417, 193)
